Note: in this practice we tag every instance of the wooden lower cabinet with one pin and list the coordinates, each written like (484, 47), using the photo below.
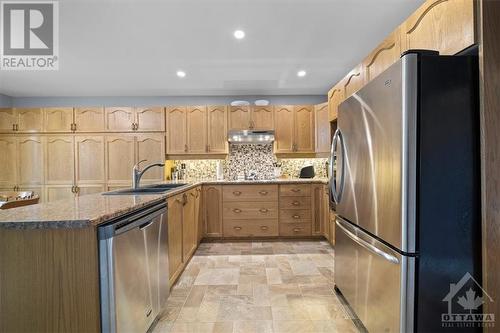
(189, 232)
(175, 207)
(212, 207)
(251, 228)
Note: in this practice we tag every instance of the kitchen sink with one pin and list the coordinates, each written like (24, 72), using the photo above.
(164, 186)
(150, 189)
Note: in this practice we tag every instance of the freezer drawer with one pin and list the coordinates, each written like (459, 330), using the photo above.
(376, 281)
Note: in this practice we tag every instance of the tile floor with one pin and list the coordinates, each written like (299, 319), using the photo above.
(262, 287)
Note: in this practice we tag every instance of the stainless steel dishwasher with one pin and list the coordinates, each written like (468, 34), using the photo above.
(133, 260)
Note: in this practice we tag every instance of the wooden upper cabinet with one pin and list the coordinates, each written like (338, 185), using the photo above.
(90, 119)
(262, 117)
(304, 128)
(59, 160)
(353, 81)
(284, 124)
(8, 120)
(217, 129)
(387, 53)
(89, 160)
(30, 160)
(150, 119)
(120, 158)
(151, 147)
(176, 130)
(8, 161)
(119, 119)
(29, 119)
(335, 97)
(322, 128)
(239, 117)
(446, 26)
(212, 201)
(197, 129)
(58, 119)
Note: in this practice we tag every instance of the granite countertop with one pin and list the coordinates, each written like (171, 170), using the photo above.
(94, 209)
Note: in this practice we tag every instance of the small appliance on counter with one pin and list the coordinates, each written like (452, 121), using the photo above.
(219, 171)
(307, 172)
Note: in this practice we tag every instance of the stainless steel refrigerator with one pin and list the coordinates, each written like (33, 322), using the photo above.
(406, 185)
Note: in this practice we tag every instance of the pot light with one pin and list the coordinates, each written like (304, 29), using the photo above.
(181, 74)
(239, 34)
(301, 73)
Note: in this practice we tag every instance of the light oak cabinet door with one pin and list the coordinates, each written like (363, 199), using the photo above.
(30, 160)
(8, 120)
(262, 117)
(217, 129)
(175, 208)
(120, 158)
(58, 192)
(38, 190)
(151, 147)
(322, 128)
(284, 124)
(353, 81)
(198, 216)
(119, 119)
(59, 160)
(150, 119)
(90, 119)
(29, 120)
(8, 162)
(58, 119)
(386, 54)
(197, 129)
(212, 208)
(176, 130)
(446, 26)
(239, 117)
(304, 128)
(189, 234)
(89, 189)
(89, 160)
(335, 97)
(317, 207)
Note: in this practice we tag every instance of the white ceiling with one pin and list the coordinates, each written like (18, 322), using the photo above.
(134, 48)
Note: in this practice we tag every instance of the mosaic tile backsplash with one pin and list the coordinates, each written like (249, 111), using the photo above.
(245, 158)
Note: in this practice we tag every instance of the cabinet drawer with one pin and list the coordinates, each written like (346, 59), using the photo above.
(298, 190)
(295, 203)
(249, 228)
(295, 229)
(250, 192)
(250, 210)
(295, 215)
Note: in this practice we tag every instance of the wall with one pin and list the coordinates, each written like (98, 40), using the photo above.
(5, 101)
(159, 100)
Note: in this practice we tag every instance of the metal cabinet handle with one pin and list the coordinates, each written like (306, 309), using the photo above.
(296, 229)
(263, 210)
(237, 193)
(77, 189)
(237, 210)
(295, 203)
(296, 216)
(14, 127)
(263, 192)
(178, 200)
(186, 148)
(264, 227)
(237, 228)
(296, 190)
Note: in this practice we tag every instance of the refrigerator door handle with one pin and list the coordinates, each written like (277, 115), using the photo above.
(337, 193)
(368, 246)
(333, 177)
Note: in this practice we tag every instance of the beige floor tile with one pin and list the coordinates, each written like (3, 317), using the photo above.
(294, 326)
(261, 295)
(182, 327)
(289, 313)
(335, 326)
(208, 311)
(245, 289)
(273, 276)
(195, 296)
(188, 315)
(253, 327)
(223, 327)
(304, 267)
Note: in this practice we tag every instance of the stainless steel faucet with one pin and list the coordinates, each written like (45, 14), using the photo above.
(137, 173)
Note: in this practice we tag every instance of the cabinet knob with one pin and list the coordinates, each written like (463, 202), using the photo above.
(237, 228)
(296, 229)
(295, 203)
(186, 148)
(296, 190)
(263, 210)
(263, 192)
(237, 193)
(296, 216)
(264, 227)
(237, 210)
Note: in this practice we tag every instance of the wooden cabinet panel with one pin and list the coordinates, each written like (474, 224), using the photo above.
(322, 128)
(198, 205)
(150, 119)
(212, 202)
(262, 117)
(38, 190)
(353, 81)
(446, 26)
(197, 129)
(239, 117)
(387, 53)
(30, 160)
(175, 205)
(58, 192)
(29, 120)
(295, 215)
(59, 160)
(295, 229)
(284, 127)
(89, 160)
(304, 128)
(217, 129)
(58, 119)
(295, 190)
(151, 147)
(250, 192)
(86, 189)
(335, 97)
(8, 120)
(251, 228)
(317, 210)
(189, 236)
(90, 119)
(250, 210)
(325, 212)
(119, 119)
(119, 158)
(295, 203)
(176, 130)
(8, 162)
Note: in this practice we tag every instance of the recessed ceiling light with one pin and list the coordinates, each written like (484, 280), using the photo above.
(301, 73)
(239, 34)
(181, 73)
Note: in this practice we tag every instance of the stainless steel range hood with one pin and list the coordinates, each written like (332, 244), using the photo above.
(250, 136)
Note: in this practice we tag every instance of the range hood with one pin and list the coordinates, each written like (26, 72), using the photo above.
(250, 136)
